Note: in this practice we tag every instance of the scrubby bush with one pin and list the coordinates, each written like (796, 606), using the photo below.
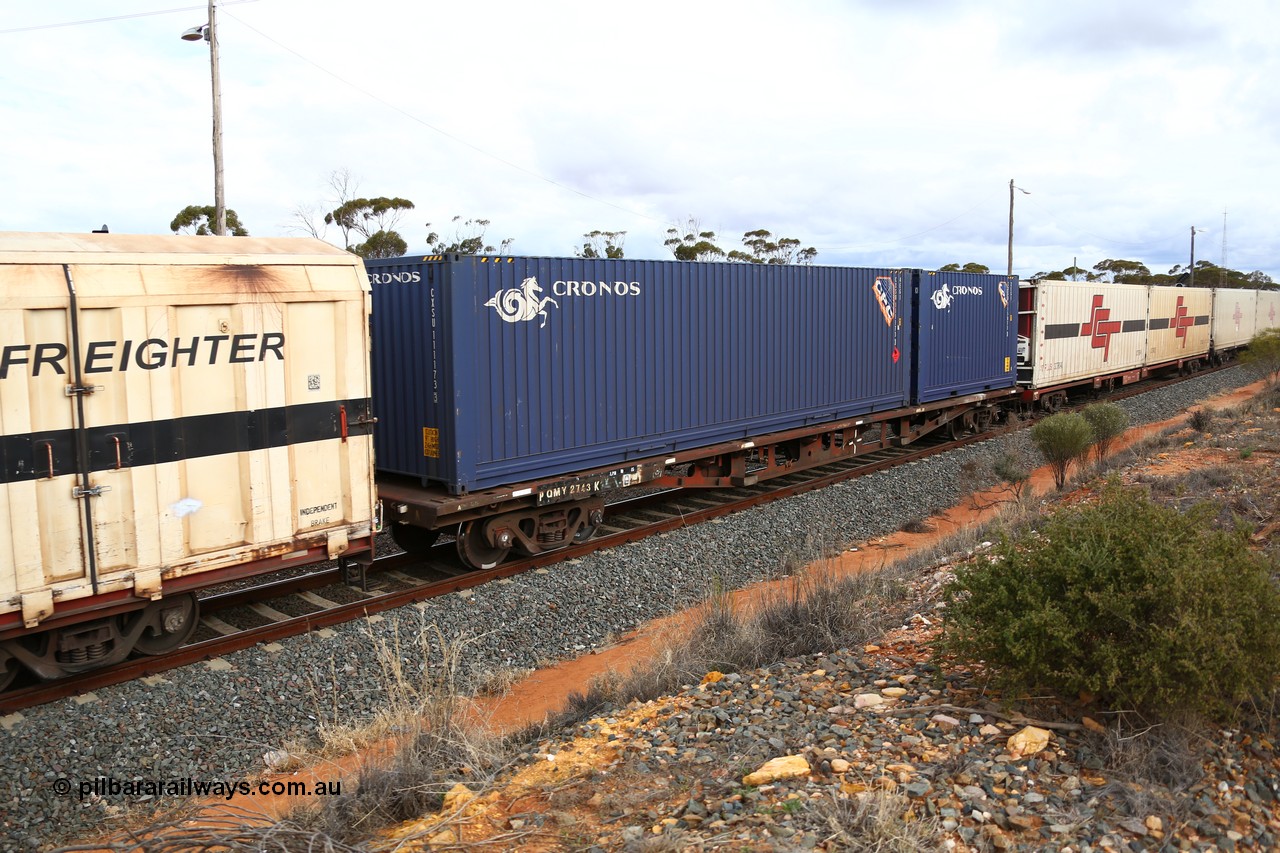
(1263, 356)
(1062, 439)
(1141, 605)
(1107, 420)
(1200, 420)
(1011, 468)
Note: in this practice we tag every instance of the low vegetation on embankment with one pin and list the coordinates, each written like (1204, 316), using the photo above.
(1131, 617)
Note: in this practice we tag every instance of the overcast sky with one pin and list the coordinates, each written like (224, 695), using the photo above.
(883, 133)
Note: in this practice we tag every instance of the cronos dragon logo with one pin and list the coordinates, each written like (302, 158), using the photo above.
(943, 297)
(521, 304)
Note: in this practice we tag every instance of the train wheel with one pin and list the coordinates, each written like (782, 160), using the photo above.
(595, 517)
(475, 550)
(8, 670)
(414, 540)
(170, 622)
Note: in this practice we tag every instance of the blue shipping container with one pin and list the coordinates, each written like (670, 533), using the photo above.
(966, 334)
(490, 371)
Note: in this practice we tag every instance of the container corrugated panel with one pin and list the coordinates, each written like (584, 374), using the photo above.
(966, 334)
(1268, 316)
(490, 371)
(1235, 314)
(218, 371)
(1085, 329)
(1178, 323)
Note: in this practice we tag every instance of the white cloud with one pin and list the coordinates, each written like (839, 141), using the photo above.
(881, 133)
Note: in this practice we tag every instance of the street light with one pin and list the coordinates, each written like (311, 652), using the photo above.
(1194, 231)
(209, 32)
(1024, 192)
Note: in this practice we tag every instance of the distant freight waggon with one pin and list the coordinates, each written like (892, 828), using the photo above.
(1073, 333)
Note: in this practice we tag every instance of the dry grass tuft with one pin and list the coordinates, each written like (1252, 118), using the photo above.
(422, 743)
(917, 525)
(232, 832)
(873, 822)
(1153, 767)
(434, 742)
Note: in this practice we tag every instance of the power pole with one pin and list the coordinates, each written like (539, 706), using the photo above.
(1191, 282)
(209, 33)
(219, 199)
(1024, 192)
(1222, 272)
(1011, 226)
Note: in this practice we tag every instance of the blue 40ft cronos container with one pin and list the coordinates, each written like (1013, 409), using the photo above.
(965, 334)
(491, 371)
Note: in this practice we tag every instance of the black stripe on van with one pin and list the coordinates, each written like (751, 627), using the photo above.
(1053, 331)
(40, 455)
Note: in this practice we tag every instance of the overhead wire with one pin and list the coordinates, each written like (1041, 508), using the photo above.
(985, 200)
(1123, 243)
(346, 82)
(200, 8)
(441, 131)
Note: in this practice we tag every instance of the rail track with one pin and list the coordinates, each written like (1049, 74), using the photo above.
(237, 619)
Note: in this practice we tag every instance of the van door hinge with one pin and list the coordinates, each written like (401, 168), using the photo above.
(72, 390)
(91, 492)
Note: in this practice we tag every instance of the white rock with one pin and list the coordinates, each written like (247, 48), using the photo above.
(867, 700)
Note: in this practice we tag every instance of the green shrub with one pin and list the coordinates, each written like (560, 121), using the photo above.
(1062, 439)
(1107, 420)
(1200, 420)
(1011, 468)
(1136, 603)
(1263, 356)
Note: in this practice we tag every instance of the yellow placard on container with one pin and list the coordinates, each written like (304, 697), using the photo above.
(431, 442)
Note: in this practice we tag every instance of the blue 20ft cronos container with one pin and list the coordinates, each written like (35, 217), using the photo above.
(490, 371)
(965, 334)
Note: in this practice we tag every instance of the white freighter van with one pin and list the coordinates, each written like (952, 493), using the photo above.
(174, 412)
